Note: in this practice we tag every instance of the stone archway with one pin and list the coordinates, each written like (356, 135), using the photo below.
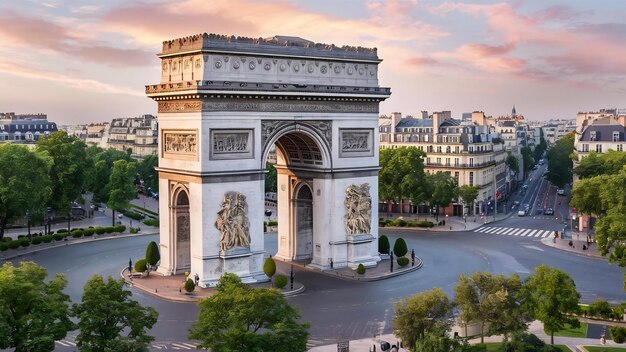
(223, 102)
(182, 231)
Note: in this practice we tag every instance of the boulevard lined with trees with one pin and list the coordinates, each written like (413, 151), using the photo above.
(37, 183)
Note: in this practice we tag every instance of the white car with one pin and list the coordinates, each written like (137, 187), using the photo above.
(521, 213)
(560, 192)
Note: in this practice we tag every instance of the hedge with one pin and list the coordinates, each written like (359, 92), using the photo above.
(58, 236)
(47, 238)
(148, 211)
(14, 244)
(120, 228)
(360, 269)
(280, 281)
(4, 246)
(400, 248)
(89, 231)
(383, 244)
(61, 230)
(133, 230)
(152, 253)
(618, 333)
(269, 267)
(109, 229)
(77, 233)
(405, 223)
(151, 222)
(403, 261)
(133, 215)
(141, 265)
(272, 223)
(6, 239)
(24, 242)
(190, 285)
(37, 240)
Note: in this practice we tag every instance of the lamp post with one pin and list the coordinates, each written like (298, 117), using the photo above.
(69, 218)
(49, 219)
(28, 220)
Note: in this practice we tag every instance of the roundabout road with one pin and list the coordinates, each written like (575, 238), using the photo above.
(339, 309)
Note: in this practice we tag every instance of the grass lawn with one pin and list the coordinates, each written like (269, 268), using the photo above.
(572, 332)
(604, 349)
(497, 347)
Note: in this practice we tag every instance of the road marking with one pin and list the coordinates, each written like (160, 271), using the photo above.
(63, 343)
(516, 232)
(533, 232)
(188, 344)
(546, 234)
(508, 230)
(535, 248)
(492, 230)
(526, 232)
(482, 229)
(180, 346)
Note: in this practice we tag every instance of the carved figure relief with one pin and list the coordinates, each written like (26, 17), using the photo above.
(231, 144)
(232, 222)
(178, 106)
(356, 143)
(358, 209)
(180, 142)
(182, 227)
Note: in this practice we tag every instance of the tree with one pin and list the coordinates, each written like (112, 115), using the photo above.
(400, 248)
(68, 171)
(587, 195)
(122, 188)
(152, 253)
(469, 195)
(33, 313)
(106, 313)
(491, 301)
(24, 183)
(423, 314)
(512, 163)
(540, 148)
(402, 175)
(271, 178)
(240, 318)
(383, 244)
(102, 164)
(550, 296)
(595, 164)
(146, 170)
(445, 189)
(559, 161)
(527, 159)
(269, 267)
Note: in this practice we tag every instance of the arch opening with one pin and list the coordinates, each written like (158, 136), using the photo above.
(182, 231)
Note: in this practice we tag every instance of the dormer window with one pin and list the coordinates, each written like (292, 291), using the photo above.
(615, 136)
(592, 135)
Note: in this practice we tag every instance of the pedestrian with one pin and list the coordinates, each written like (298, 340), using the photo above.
(196, 279)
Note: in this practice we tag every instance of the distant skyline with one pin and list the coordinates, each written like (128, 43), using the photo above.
(83, 61)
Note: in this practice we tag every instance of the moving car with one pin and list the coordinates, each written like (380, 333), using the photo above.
(548, 211)
(521, 213)
(560, 192)
(516, 202)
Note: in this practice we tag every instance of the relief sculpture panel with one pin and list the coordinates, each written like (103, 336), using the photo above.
(356, 143)
(232, 222)
(232, 144)
(358, 204)
(180, 144)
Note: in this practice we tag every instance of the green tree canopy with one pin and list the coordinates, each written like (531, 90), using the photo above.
(560, 163)
(69, 169)
(146, 170)
(444, 187)
(490, 301)
(468, 194)
(24, 183)
(512, 163)
(402, 175)
(550, 296)
(540, 148)
(33, 313)
(100, 174)
(109, 320)
(121, 185)
(596, 164)
(527, 159)
(239, 318)
(421, 315)
(271, 178)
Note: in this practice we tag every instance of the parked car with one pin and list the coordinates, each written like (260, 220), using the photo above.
(521, 213)
(560, 192)
(516, 202)
(548, 211)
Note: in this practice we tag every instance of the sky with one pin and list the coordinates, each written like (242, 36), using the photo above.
(82, 61)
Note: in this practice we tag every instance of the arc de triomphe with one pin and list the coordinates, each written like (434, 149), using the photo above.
(223, 104)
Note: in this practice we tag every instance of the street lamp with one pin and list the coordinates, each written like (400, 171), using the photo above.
(69, 218)
(28, 220)
(49, 219)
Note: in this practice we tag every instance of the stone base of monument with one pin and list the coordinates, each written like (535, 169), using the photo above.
(239, 261)
(359, 251)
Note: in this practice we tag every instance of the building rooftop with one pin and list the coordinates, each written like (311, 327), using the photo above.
(603, 133)
(279, 45)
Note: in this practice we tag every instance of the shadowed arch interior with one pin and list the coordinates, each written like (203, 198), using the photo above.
(299, 149)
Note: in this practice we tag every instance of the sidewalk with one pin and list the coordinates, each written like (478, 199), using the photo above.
(576, 247)
(453, 223)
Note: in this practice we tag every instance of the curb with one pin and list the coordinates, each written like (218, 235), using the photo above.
(545, 243)
(190, 298)
(419, 263)
(71, 243)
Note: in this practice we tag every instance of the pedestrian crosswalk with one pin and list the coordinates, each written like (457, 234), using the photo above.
(165, 345)
(513, 231)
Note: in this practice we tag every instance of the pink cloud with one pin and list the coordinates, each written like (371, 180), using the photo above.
(29, 32)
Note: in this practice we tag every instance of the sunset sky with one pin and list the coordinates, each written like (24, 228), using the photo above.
(88, 61)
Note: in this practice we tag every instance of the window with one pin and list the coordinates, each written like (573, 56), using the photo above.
(456, 175)
(471, 178)
(592, 135)
(438, 161)
(585, 147)
(615, 136)
(447, 161)
(619, 148)
(448, 149)
(471, 161)
(456, 161)
(599, 148)
(439, 149)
